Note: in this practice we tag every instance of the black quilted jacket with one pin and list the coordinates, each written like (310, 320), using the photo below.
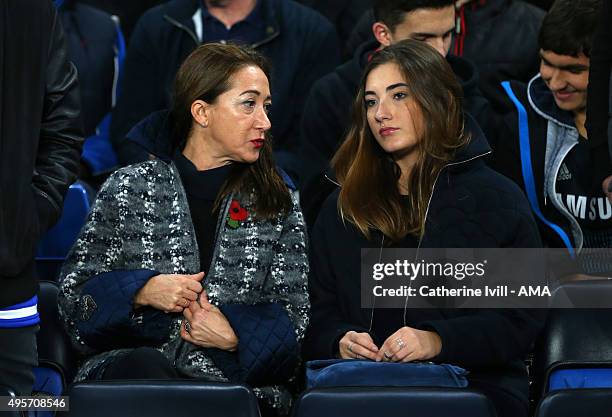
(472, 206)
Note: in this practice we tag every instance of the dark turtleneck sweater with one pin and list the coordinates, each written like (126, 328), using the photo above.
(202, 188)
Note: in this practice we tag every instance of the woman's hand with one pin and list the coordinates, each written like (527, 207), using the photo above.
(355, 345)
(408, 344)
(170, 292)
(208, 327)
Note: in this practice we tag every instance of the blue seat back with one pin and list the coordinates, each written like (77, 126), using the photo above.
(580, 378)
(576, 402)
(388, 401)
(59, 239)
(161, 399)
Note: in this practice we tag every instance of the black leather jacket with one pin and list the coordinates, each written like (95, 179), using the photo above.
(40, 137)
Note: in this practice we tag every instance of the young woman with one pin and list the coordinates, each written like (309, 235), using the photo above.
(412, 174)
(173, 248)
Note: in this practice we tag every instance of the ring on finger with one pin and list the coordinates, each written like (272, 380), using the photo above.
(187, 327)
(350, 347)
(388, 355)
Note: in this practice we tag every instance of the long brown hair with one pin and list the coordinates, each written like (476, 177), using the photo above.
(369, 195)
(205, 75)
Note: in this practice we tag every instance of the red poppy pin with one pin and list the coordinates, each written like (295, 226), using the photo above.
(236, 214)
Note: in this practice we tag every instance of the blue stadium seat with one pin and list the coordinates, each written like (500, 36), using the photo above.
(54, 347)
(161, 399)
(55, 245)
(575, 348)
(56, 364)
(576, 402)
(393, 402)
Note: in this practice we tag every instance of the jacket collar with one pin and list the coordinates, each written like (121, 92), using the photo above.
(542, 101)
(153, 133)
(188, 13)
(478, 145)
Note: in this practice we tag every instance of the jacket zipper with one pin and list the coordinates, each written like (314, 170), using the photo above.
(564, 211)
(198, 42)
(183, 27)
(426, 215)
(382, 242)
(427, 212)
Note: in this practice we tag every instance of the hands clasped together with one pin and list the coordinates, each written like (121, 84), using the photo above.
(405, 345)
(203, 324)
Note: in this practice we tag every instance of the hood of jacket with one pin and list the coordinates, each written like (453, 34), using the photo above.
(541, 99)
(153, 133)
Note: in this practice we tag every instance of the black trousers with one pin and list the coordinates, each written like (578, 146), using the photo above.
(18, 355)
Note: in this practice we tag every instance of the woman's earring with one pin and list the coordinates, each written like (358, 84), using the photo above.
(204, 125)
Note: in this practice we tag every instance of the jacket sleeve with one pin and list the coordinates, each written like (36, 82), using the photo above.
(288, 280)
(142, 90)
(487, 338)
(61, 136)
(95, 300)
(327, 324)
(108, 315)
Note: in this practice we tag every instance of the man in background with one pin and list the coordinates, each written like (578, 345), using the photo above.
(40, 144)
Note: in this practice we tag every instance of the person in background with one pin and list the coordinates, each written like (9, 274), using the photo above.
(202, 245)
(40, 144)
(545, 146)
(500, 37)
(411, 175)
(97, 48)
(128, 12)
(301, 45)
(344, 14)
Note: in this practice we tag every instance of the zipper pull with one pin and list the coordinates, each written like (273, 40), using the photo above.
(545, 199)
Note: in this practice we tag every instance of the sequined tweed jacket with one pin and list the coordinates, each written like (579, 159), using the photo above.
(141, 220)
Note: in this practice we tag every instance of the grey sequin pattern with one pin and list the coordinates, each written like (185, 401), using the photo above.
(141, 220)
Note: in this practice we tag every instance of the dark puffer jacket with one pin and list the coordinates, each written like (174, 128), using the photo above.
(472, 206)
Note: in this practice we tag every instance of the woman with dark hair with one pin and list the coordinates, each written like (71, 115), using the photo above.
(409, 176)
(177, 255)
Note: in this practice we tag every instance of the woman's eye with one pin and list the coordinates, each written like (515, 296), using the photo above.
(267, 108)
(250, 104)
(370, 103)
(399, 96)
